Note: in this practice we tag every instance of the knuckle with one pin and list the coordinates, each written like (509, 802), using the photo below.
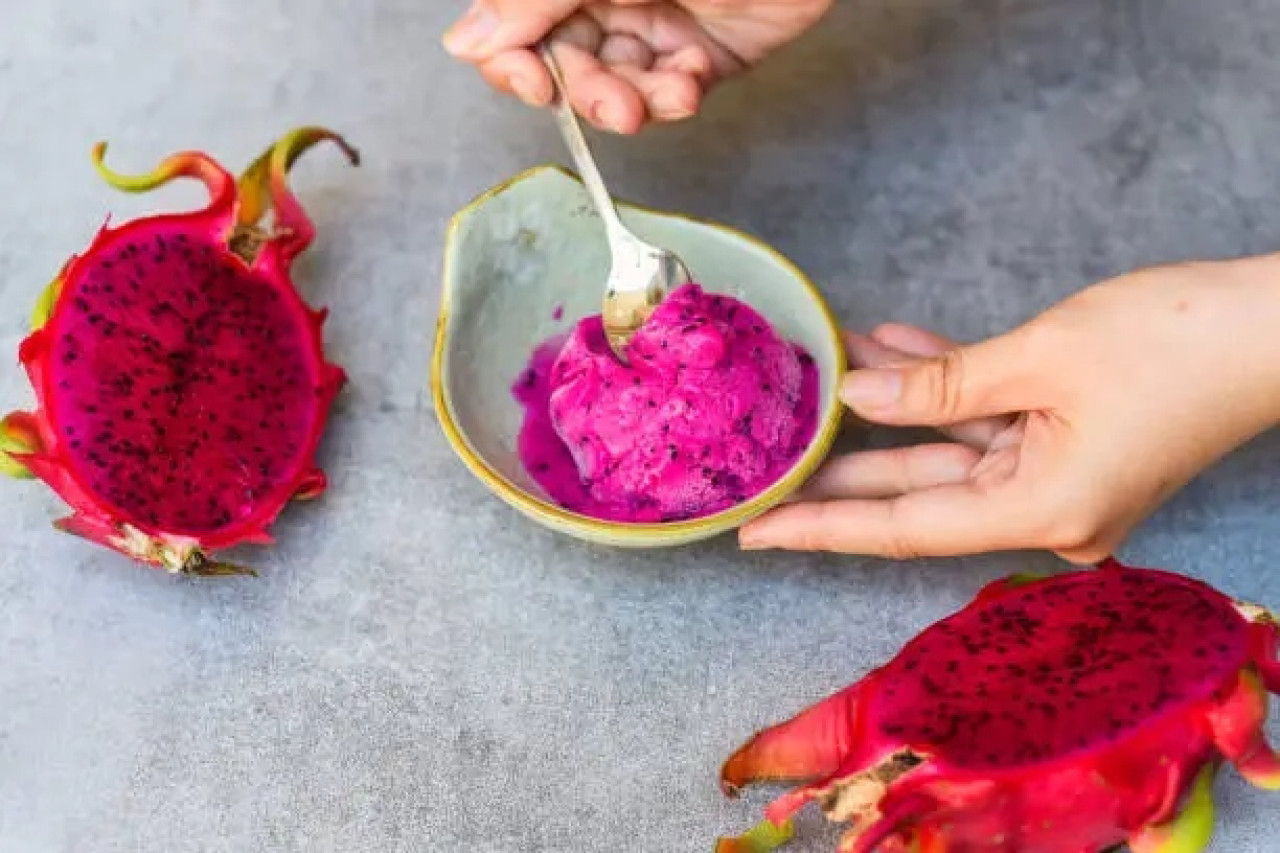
(812, 539)
(899, 473)
(943, 383)
(899, 543)
(900, 548)
(813, 529)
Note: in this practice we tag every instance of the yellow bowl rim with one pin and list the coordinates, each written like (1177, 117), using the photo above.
(560, 518)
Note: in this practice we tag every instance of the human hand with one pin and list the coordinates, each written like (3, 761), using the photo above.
(1065, 433)
(626, 62)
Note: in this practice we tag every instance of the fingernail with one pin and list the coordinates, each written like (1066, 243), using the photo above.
(602, 114)
(686, 66)
(871, 388)
(670, 106)
(469, 34)
(750, 540)
(522, 88)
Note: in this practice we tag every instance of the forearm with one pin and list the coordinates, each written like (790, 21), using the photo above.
(1249, 337)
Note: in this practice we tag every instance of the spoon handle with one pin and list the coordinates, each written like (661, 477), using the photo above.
(577, 145)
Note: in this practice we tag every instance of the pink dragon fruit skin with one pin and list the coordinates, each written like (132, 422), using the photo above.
(711, 408)
(1067, 714)
(181, 381)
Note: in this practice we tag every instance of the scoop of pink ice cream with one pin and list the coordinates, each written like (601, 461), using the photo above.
(711, 408)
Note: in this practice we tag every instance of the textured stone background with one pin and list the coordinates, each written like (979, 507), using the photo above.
(419, 669)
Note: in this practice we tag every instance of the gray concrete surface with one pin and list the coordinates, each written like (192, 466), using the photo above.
(419, 669)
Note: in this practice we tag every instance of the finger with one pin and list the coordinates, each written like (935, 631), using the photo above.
(862, 352)
(966, 383)
(605, 99)
(522, 74)
(866, 352)
(950, 520)
(624, 49)
(912, 339)
(492, 26)
(692, 59)
(673, 33)
(870, 352)
(888, 473)
(668, 95)
(926, 344)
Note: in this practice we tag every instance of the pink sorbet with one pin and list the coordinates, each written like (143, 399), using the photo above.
(712, 409)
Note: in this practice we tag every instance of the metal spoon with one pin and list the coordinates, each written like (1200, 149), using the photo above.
(641, 275)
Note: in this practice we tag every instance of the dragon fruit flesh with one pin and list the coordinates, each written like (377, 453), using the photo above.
(1067, 714)
(181, 381)
(712, 407)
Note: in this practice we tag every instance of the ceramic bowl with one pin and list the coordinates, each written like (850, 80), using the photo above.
(525, 261)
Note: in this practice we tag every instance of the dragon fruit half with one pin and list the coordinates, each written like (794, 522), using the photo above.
(181, 381)
(1067, 714)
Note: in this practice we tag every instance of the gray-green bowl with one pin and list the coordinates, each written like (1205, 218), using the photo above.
(532, 245)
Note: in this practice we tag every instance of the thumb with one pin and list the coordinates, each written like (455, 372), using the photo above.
(962, 384)
(492, 26)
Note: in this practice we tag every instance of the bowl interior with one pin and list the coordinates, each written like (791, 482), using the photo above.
(528, 260)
